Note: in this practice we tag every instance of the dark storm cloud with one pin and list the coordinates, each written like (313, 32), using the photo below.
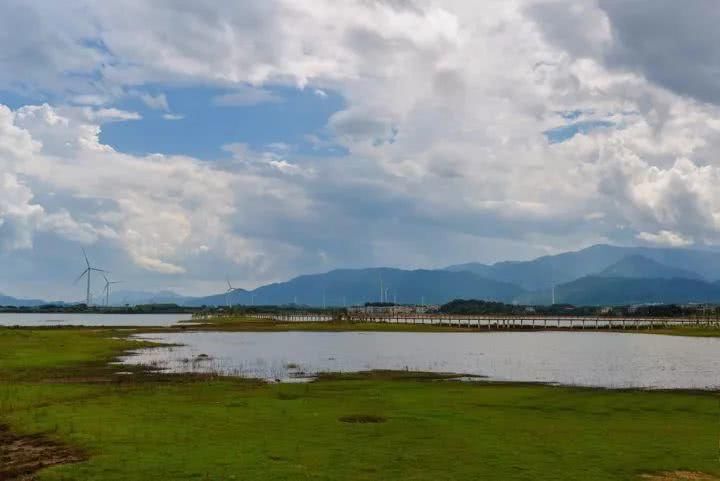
(568, 26)
(672, 43)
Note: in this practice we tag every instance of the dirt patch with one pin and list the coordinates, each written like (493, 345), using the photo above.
(680, 476)
(363, 419)
(23, 456)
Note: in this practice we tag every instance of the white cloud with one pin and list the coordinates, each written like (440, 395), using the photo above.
(665, 238)
(18, 215)
(272, 158)
(173, 116)
(110, 115)
(445, 105)
(158, 209)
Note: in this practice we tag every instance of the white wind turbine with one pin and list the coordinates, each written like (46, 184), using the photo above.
(228, 292)
(108, 284)
(87, 272)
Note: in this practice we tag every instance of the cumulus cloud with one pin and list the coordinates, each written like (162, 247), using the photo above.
(18, 215)
(157, 208)
(443, 129)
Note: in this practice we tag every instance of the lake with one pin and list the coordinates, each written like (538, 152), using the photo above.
(598, 359)
(67, 319)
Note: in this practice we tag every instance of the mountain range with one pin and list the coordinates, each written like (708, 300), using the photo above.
(597, 275)
(13, 301)
(546, 271)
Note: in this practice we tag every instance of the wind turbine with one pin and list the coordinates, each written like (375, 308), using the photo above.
(229, 291)
(87, 272)
(107, 289)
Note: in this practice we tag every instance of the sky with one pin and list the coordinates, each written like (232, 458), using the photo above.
(181, 143)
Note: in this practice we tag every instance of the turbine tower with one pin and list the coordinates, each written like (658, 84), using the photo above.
(229, 291)
(108, 284)
(87, 272)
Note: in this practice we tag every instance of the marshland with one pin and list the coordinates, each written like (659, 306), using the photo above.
(97, 419)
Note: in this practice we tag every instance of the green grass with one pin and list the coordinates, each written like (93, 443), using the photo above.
(31, 353)
(691, 331)
(178, 428)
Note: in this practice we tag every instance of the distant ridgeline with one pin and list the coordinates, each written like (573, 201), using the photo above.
(476, 307)
(600, 275)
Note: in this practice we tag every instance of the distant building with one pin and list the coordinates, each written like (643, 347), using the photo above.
(390, 310)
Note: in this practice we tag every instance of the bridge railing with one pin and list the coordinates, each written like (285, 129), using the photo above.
(497, 322)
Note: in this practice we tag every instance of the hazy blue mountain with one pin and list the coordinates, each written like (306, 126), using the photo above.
(13, 301)
(483, 270)
(123, 297)
(596, 290)
(543, 272)
(237, 296)
(600, 274)
(641, 267)
(356, 286)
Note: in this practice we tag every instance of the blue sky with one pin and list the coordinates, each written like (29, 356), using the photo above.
(567, 132)
(205, 126)
(262, 140)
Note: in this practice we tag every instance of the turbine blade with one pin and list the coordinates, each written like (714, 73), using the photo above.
(80, 276)
(86, 257)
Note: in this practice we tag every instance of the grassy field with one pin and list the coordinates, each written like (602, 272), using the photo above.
(353, 427)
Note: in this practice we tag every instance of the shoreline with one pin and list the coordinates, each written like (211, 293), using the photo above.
(60, 391)
(254, 325)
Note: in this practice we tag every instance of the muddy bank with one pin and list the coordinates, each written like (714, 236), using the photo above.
(23, 456)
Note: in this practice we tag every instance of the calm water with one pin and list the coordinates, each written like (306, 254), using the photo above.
(145, 320)
(613, 360)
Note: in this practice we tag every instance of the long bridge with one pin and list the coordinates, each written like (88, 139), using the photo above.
(497, 321)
